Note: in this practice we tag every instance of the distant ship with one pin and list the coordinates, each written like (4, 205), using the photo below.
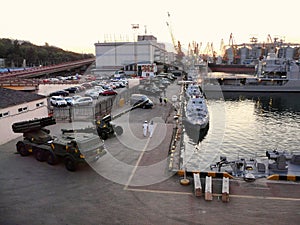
(273, 75)
(232, 68)
(243, 58)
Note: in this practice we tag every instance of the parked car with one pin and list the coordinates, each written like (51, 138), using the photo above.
(94, 94)
(99, 89)
(72, 90)
(87, 85)
(76, 97)
(83, 101)
(109, 92)
(140, 101)
(70, 101)
(58, 101)
(59, 93)
(164, 81)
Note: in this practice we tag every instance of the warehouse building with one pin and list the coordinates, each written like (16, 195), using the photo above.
(132, 57)
(16, 106)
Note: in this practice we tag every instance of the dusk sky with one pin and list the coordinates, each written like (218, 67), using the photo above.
(77, 25)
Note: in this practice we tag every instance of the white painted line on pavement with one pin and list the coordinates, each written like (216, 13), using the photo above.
(137, 163)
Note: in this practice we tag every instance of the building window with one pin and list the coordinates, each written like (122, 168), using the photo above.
(4, 114)
(40, 104)
(23, 109)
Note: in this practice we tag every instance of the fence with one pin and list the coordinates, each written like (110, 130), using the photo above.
(100, 109)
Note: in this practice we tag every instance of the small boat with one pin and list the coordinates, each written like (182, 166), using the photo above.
(249, 170)
(275, 162)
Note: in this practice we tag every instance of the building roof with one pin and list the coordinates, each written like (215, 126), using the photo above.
(9, 97)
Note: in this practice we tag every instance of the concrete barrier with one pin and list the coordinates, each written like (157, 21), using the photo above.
(208, 189)
(197, 185)
(204, 174)
(284, 177)
(225, 189)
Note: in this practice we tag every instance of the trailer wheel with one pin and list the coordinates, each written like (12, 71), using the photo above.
(118, 130)
(39, 154)
(22, 149)
(104, 135)
(51, 158)
(70, 164)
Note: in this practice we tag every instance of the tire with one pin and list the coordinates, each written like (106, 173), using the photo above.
(51, 158)
(39, 154)
(103, 135)
(118, 130)
(70, 164)
(21, 148)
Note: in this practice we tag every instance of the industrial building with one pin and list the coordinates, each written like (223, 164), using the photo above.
(18, 106)
(143, 55)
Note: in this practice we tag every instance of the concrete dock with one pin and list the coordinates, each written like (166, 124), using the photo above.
(132, 184)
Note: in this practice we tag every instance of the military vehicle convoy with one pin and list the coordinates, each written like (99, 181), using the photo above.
(73, 148)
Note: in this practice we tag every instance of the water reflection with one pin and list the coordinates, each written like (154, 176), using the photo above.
(245, 125)
(274, 102)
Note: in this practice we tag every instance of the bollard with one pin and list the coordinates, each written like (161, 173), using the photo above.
(197, 185)
(208, 189)
(225, 189)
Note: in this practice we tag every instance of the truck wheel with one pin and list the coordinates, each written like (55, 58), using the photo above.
(118, 130)
(40, 154)
(103, 135)
(51, 158)
(22, 149)
(70, 164)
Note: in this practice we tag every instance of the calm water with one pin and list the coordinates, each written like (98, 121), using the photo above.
(245, 126)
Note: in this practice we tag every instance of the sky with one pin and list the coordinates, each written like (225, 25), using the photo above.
(77, 25)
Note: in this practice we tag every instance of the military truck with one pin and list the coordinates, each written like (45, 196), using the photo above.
(73, 148)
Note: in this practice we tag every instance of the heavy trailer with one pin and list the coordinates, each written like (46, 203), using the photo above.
(73, 148)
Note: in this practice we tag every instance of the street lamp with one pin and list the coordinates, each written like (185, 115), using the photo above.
(135, 27)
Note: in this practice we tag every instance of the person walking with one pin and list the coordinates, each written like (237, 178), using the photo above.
(165, 100)
(151, 128)
(160, 100)
(145, 128)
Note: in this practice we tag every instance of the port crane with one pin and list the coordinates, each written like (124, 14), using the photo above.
(233, 46)
(177, 46)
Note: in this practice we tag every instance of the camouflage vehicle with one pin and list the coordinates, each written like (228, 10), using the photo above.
(73, 148)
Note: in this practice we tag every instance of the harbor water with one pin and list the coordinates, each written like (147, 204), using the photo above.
(244, 126)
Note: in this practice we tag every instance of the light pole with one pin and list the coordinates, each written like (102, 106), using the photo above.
(135, 27)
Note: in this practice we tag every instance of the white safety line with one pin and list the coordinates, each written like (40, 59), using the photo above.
(138, 162)
(215, 195)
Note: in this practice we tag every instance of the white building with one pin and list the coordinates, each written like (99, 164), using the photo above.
(16, 106)
(111, 56)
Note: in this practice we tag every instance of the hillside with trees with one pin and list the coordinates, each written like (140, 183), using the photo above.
(16, 52)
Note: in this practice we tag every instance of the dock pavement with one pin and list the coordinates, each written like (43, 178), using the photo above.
(131, 184)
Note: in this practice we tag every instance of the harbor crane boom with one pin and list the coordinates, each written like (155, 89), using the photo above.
(177, 46)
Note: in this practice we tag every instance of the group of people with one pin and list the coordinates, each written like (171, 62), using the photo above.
(148, 128)
(161, 100)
